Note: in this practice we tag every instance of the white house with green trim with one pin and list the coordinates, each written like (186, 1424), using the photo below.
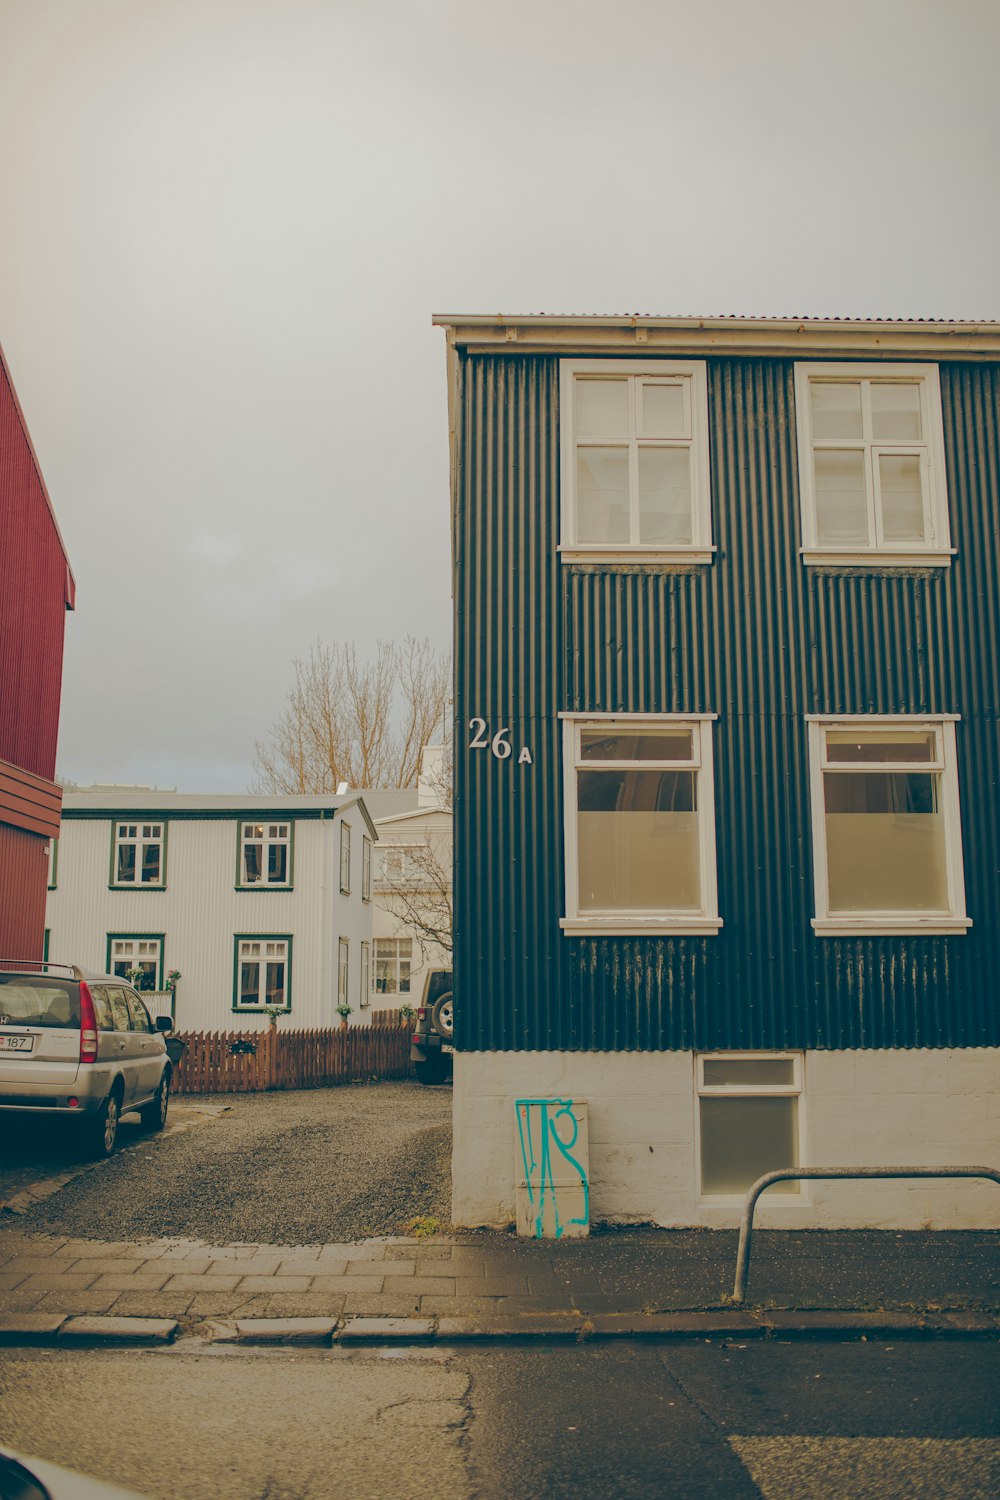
(258, 902)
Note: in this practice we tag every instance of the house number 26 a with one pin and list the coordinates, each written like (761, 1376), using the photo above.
(500, 745)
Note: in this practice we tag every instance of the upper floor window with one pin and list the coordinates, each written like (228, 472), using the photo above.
(265, 854)
(137, 857)
(635, 466)
(887, 841)
(871, 464)
(345, 858)
(639, 825)
(366, 869)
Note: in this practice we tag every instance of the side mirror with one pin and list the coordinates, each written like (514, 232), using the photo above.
(164, 1023)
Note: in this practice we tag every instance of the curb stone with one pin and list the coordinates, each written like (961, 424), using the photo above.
(30, 1328)
(284, 1330)
(380, 1330)
(108, 1330)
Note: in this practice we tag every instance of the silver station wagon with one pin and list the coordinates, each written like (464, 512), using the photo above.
(81, 1047)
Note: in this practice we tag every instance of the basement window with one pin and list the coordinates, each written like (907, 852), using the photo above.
(887, 839)
(748, 1121)
(634, 456)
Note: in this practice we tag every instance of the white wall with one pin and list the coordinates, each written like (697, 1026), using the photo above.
(878, 1108)
(199, 913)
(409, 828)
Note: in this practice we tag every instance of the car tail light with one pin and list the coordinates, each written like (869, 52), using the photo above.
(422, 1013)
(88, 1026)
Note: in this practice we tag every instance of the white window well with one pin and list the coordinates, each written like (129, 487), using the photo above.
(749, 1122)
(634, 457)
(265, 854)
(639, 816)
(871, 465)
(137, 857)
(887, 840)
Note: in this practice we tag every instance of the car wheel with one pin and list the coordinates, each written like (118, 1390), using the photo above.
(154, 1114)
(432, 1070)
(442, 1015)
(105, 1136)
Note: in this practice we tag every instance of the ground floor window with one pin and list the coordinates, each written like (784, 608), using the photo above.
(366, 974)
(343, 962)
(393, 962)
(748, 1120)
(263, 973)
(138, 959)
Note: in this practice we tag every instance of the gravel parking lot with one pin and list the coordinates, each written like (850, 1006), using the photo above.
(312, 1166)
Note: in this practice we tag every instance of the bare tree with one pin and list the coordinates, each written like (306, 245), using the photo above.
(363, 722)
(415, 885)
(415, 877)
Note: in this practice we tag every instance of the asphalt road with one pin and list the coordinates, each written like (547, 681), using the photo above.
(311, 1166)
(783, 1421)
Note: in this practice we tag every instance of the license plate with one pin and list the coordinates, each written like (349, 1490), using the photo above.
(17, 1043)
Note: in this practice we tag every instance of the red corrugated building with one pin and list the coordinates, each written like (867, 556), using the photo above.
(36, 589)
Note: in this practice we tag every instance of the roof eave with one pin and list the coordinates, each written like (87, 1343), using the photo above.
(796, 337)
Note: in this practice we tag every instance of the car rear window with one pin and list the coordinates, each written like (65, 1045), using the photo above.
(439, 984)
(25, 1001)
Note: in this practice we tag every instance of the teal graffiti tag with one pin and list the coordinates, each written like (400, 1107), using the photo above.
(538, 1125)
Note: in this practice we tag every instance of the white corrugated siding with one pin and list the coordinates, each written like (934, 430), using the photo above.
(200, 912)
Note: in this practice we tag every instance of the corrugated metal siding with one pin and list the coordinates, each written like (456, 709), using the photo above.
(24, 873)
(758, 639)
(33, 584)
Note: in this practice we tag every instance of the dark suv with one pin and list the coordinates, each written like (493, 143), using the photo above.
(80, 1047)
(433, 1029)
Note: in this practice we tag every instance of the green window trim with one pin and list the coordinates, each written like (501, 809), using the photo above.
(261, 937)
(257, 885)
(138, 937)
(138, 885)
(53, 853)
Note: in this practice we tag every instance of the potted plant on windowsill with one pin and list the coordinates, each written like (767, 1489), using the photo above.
(343, 1011)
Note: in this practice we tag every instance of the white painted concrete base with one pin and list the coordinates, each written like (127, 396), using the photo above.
(877, 1108)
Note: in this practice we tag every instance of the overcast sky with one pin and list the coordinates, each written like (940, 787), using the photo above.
(226, 223)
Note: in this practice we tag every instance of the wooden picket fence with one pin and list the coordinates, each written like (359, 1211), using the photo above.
(248, 1062)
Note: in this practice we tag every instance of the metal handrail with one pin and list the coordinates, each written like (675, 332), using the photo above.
(792, 1174)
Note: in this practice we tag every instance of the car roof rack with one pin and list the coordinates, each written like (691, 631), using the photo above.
(43, 966)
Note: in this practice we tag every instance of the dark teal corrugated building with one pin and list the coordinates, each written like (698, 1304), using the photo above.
(727, 821)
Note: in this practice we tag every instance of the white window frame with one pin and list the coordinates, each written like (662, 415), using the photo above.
(945, 764)
(54, 864)
(142, 840)
(343, 971)
(131, 959)
(365, 979)
(266, 839)
(693, 374)
(936, 551)
(704, 922)
(345, 859)
(262, 959)
(366, 868)
(398, 956)
(782, 1195)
